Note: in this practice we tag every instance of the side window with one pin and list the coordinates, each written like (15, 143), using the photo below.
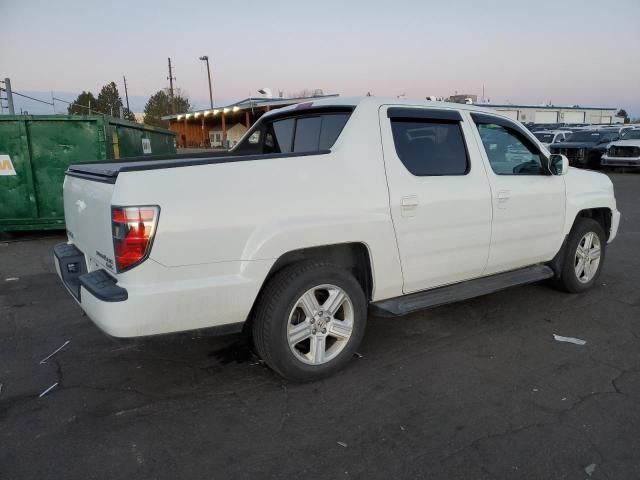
(332, 126)
(300, 134)
(430, 147)
(279, 136)
(509, 152)
(318, 133)
(307, 134)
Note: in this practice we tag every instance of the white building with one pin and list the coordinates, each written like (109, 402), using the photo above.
(234, 134)
(553, 114)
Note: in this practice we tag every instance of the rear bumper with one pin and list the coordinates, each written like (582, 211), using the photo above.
(72, 270)
(620, 161)
(152, 299)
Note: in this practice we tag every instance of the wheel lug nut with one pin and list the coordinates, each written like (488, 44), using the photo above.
(313, 331)
(324, 330)
(312, 320)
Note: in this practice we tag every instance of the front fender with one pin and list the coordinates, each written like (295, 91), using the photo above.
(588, 190)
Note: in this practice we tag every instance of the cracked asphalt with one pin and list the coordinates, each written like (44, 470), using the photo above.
(474, 390)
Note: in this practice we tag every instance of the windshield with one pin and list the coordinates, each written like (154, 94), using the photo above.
(631, 135)
(544, 137)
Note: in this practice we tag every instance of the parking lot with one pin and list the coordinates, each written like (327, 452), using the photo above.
(478, 389)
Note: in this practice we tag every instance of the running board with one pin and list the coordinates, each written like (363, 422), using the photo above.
(413, 302)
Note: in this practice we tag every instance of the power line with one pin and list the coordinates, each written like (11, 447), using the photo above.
(27, 96)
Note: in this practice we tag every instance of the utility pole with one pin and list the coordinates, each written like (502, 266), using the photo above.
(206, 59)
(7, 88)
(126, 93)
(171, 97)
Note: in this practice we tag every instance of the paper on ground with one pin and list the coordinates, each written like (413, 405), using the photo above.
(577, 341)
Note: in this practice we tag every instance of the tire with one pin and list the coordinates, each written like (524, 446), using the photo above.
(284, 313)
(570, 280)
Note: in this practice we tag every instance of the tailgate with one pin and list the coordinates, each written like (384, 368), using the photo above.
(87, 212)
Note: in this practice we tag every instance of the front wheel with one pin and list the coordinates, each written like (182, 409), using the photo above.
(584, 257)
(309, 320)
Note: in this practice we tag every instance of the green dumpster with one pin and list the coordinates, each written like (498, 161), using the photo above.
(35, 151)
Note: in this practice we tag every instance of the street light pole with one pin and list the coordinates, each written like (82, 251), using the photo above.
(206, 59)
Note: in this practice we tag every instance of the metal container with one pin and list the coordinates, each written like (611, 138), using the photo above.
(35, 152)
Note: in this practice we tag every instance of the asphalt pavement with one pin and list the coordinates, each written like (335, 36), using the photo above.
(479, 389)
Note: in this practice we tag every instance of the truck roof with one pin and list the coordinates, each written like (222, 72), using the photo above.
(377, 102)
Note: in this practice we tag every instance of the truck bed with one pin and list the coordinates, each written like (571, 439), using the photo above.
(108, 171)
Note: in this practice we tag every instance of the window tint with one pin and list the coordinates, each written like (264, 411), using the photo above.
(307, 134)
(430, 147)
(279, 136)
(300, 134)
(318, 133)
(332, 126)
(509, 152)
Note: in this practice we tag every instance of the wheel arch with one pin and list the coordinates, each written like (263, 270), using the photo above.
(602, 215)
(353, 256)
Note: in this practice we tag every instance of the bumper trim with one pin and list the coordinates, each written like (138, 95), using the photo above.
(102, 286)
(71, 265)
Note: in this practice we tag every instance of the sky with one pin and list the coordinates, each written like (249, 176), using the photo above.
(564, 52)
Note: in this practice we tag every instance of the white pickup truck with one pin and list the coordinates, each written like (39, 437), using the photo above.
(323, 212)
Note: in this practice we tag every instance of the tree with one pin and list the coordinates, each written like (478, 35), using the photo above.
(83, 104)
(306, 92)
(623, 113)
(109, 100)
(159, 105)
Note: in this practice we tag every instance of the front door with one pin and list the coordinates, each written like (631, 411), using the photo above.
(528, 202)
(439, 195)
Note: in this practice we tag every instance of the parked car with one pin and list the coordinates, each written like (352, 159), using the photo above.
(549, 137)
(624, 152)
(323, 212)
(585, 148)
(627, 131)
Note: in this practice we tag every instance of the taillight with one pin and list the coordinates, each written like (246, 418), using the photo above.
(133, 230)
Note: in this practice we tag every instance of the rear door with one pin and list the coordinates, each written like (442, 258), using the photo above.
(439, 195)
(528, 202)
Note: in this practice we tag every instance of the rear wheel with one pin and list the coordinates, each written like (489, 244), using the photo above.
(584, 256)
(309, 320)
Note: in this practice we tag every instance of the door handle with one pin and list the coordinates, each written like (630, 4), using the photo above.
(503, 198)
(409, 202)
(408, 205)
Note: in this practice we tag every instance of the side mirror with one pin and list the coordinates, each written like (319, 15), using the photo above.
(559, 164)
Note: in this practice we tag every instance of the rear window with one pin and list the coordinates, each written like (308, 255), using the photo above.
(304, 134)
(430, 148)
(281, 135)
